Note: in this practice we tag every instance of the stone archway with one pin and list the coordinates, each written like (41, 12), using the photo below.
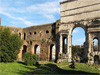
(67, 32)
(24, 49)
(79, 16)
(96, 59)
(37, 50)
(78, 39)
(95, 44)
(52, 54)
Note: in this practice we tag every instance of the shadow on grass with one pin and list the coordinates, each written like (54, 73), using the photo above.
(51, 69)
(20, 62)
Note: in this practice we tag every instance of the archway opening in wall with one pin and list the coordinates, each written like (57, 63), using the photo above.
(96, 59)
(64, 44)
(20, 35)
(24, 49)
(95, 44)
(78, 40)
(52, 53)
(24, 36)
(37, 51)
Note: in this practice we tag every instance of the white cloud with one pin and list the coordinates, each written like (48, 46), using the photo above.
(79, 41)
(28, 23)
(51, 17)
(75, 31)
(47, 9)
(7, 14)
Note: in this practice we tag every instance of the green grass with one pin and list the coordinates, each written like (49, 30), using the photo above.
(47, 68)
(15, 69)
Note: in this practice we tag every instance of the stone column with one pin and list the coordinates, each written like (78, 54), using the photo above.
(99, 43)
(69, 49)
(90, 49)
(61, 43)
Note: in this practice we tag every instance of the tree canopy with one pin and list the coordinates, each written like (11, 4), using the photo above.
(10, 45)
(76, 51)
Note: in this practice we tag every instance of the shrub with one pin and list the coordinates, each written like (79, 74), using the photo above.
(29, 58)
(10, 45)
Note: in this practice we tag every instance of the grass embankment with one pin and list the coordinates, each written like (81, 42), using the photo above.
(47, 68)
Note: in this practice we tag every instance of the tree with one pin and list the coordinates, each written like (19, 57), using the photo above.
(10, 45)
(76, 51)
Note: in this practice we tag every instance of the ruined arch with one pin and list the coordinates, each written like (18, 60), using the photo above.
(24, 49)
(75, 25)
(52, 55)
(24, 36)
(96, 59)
(64, 44)
(95, 44)
(78, 40)
(37, 51)
(19, 34)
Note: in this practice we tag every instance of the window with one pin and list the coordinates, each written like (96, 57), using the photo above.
(95, 44)
(20, 34)
(30, 33)
(53, 31)
(30, 42)
(47, 31)
(24, 36)
(34, 32)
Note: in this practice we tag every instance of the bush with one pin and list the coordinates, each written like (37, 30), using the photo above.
(29, 58)
(10, 45)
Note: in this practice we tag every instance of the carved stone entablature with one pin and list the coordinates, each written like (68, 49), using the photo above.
(94, 22)
(64, 31)
(68, 25)
(78, 23)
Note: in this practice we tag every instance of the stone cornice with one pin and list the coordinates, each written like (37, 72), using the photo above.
(81, 21)
(67, 1)
(80, 13)
(81, 7)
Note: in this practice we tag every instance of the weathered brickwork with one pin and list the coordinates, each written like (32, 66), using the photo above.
(74, 13)
(42, 35)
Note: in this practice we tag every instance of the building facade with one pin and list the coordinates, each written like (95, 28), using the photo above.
(74, 13)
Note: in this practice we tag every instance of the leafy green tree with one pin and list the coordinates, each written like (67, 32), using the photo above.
(10, 45)
(76, 51)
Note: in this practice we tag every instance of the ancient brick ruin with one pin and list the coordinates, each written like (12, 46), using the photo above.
(74, 13)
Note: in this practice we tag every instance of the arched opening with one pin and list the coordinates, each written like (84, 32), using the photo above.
(96, 59)
(64, 44)
(52, 52)
(30, 33)
(19, 34)
(30, 42)
(24, 36)
(78, 39)
(24, 49)
(37, 51)
(95, 44)
(34, 33)
(47, 31)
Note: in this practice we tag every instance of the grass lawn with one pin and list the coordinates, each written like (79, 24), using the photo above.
(49, 68)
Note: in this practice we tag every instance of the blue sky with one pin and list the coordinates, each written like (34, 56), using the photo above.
(25, 13)
(78, 36)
